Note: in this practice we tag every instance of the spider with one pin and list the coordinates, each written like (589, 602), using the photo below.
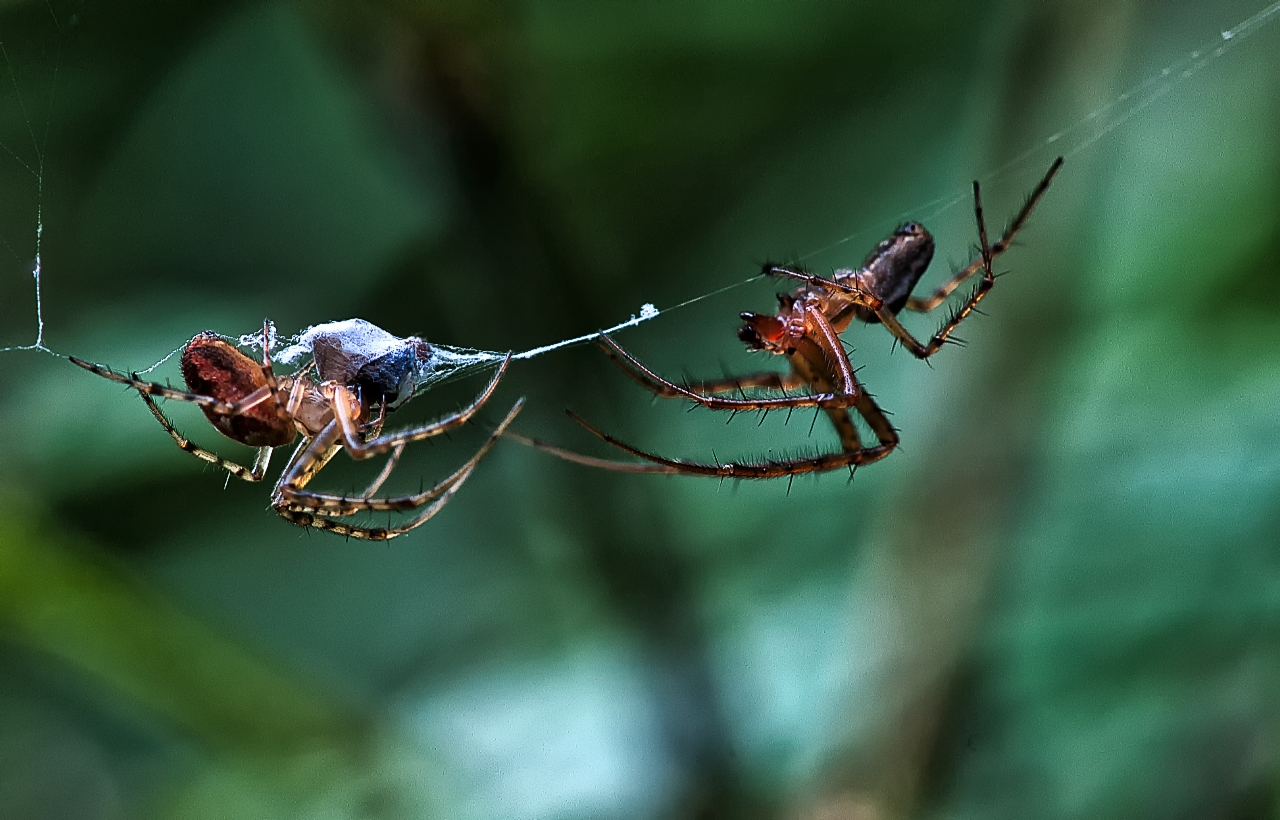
(806, 330)
(359, 366)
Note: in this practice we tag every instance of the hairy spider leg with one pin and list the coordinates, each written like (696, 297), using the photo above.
(375, 428)
(368, 492)
(768, 380)
(317, 463)
(153, 389)
(766, 468)
(868, 300)
(591, 461)
(282, 410)
(364, 447)
(851, 394)
(293, 497)
(983, 263)
(928, 303)
(260, 461)
(292, 501)
(854, 454)
(360, 449)
(660, 386)
(373, 487)
(263, 454)
(210, 403)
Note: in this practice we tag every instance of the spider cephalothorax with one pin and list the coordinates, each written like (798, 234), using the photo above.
(806, 330)
(357, 372)
(885, 280)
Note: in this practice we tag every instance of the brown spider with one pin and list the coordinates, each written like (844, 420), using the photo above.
(247, 402)
(806, 330)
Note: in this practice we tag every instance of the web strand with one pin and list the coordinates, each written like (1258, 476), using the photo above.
(1104, 120)
(647, 312)
(1141, 95)
(40, 147)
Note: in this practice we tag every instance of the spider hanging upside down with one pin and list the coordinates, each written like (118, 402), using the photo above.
(806, 330)
(359, 366)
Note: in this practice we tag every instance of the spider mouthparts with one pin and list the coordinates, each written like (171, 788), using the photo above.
(760, 330)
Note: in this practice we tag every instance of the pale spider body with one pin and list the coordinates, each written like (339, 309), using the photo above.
(245, 401)
(806, 331)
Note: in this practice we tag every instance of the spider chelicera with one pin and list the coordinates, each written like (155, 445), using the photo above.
(359, 367)
(806, 331)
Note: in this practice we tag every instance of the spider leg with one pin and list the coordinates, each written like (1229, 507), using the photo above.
(376, 427)
(928, 303)
(858, 294)
(360, 449)
(590, 461)
(660, 386)
(831, 353)
(769, 468)
(373, 487)
(153, 389)
(768, 380)
(282, 411)
(828, 341)
(385, 473)
(332, 504)
(259, 463)
(850, 440)
(983, 263)
(296, 505)
(310, 457)
(147, 388)
(938, 296)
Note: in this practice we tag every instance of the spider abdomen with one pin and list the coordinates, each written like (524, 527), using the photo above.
(212, 367)
(893, 269)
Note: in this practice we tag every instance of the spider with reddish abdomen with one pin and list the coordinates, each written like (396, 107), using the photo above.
(359, 367)
(806, 330)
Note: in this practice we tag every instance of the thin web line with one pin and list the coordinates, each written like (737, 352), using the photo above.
(38, 171)
(1164, 81)
(647, 312)
(1143, 94)
(41, 149)
(13, 80)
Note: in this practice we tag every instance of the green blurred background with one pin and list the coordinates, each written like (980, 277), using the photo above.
(1059, 599)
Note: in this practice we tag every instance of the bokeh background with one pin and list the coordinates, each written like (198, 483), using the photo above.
(1059, 599)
